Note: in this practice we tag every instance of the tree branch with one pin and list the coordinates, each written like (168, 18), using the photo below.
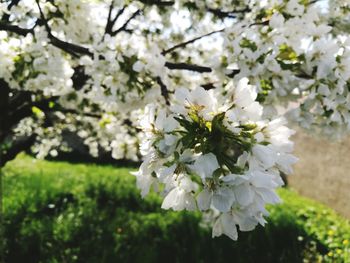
(158, 2)
(79, 77)
(123, 27)
(111, 22)
(16, 29)
(13, 3)
(185, 66)
(208, 86)
(227, 14)
(163, 89)
(70, 48)
(183, 44)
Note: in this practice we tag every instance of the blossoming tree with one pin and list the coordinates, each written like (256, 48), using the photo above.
(200, 91)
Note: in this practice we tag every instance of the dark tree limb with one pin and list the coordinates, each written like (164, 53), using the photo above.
(158, 3)
(185, 66)
(70, 48)
(164, 90)
(16, 29)
(4, 105)
(233, 73)
(208, 86)
(227, 14)
(12, 4)
(79, 77)
(111, 22)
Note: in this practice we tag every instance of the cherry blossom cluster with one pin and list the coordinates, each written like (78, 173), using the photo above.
(288, 51)
(111, 58)
(210, 152)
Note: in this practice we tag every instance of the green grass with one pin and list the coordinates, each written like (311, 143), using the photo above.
(61, 212)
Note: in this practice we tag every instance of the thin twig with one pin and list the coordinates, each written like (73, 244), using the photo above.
(183, 44)
(123, 27)
(70, 48)
(111, 22)
(227, 14)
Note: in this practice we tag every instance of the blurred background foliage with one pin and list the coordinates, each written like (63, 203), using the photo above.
(63, 212)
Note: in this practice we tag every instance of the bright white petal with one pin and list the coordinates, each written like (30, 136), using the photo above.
(223, 199)
(228, 226)
(204, 200)
(244, 194)
(205, 165)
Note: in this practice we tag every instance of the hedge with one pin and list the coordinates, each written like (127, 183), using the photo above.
(61, 212)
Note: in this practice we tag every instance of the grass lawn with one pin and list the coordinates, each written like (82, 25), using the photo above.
(62, 212)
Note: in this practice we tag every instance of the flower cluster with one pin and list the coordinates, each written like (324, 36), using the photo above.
(287, 50)
(111, 58)
(215, 153)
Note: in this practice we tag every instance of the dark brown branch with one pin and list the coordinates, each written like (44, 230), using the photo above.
(70, 48)
(185, 66)
(123, 27)
(111, 22)
(4, 105)
(233, 73)
(13, 3)
(221, 14)
(227, 14)
(158, 2)
(183, 44)
(15, 29)
(261, 23)
(163, 89)
(304, 75)
(208, 86)
(313, 2)
(79, 77)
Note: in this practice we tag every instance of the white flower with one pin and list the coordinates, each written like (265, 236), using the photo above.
(138, 66)
(179, 199)
(244, 105)
(276, 20)
(294, 8)
(205, 165)
(221, 199)
(181, 196)
(285, 161)
(198, 100)
(265, 155)
(145, 175)
(244, 194)
(225, 225)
